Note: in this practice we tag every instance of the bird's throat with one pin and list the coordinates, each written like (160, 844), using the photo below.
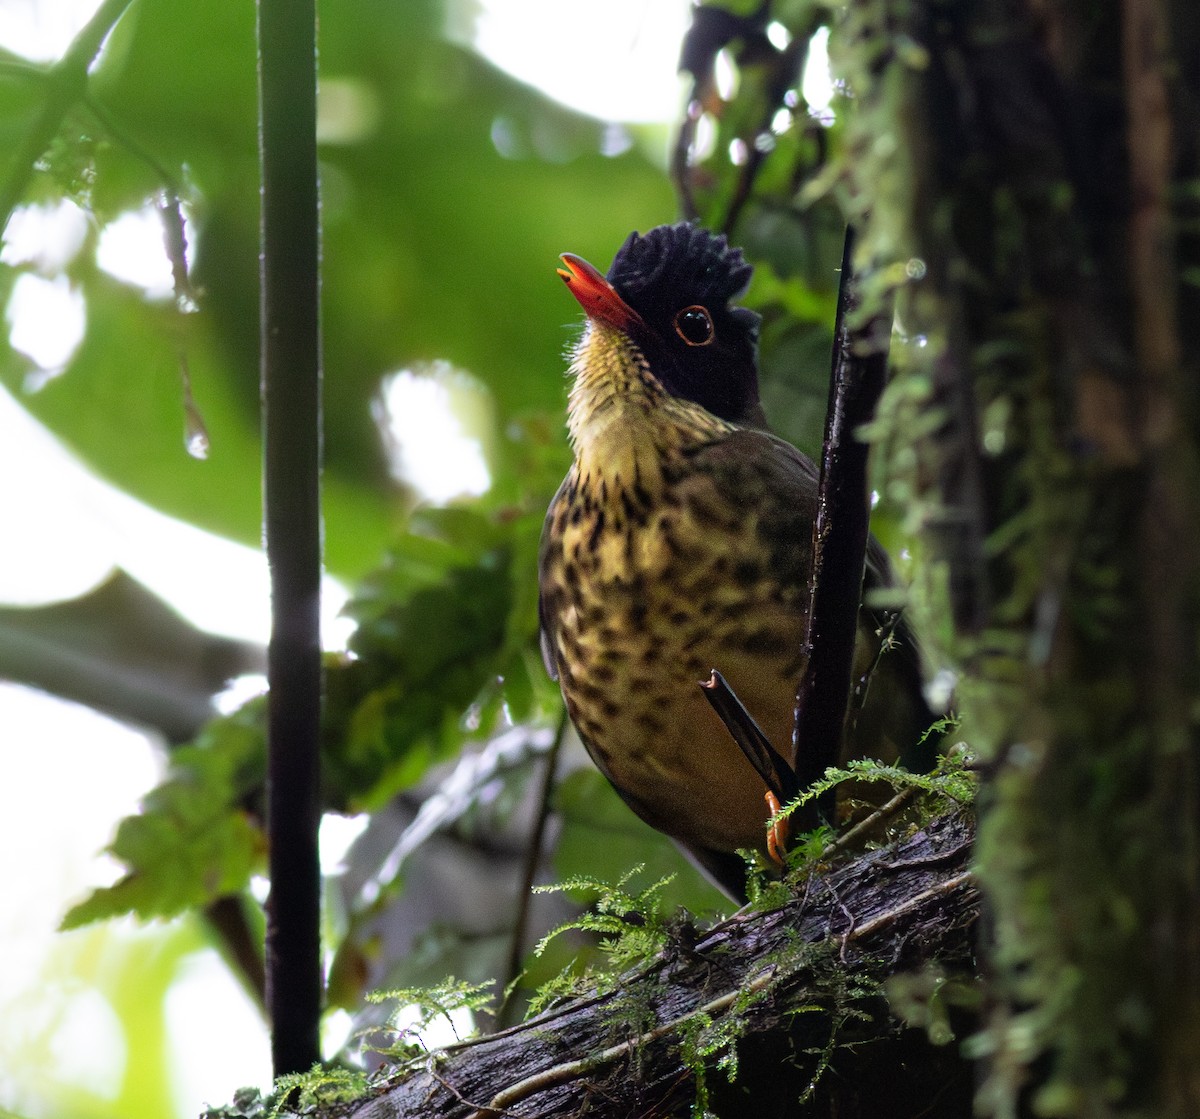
(621, 420)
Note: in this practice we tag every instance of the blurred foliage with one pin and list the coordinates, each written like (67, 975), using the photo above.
(435, 246)
(123, 974)
(445, 646)
(448, 191)
(601, 839)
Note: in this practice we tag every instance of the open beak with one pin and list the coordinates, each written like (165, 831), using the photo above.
(596, 295)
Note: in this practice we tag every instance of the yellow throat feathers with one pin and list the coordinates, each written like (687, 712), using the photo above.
(622, 422)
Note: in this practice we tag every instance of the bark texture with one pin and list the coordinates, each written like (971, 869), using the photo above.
(1043, 186)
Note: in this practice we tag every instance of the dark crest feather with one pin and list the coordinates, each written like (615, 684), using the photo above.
(683, 258)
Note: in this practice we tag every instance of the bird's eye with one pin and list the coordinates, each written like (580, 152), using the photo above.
(694, 325)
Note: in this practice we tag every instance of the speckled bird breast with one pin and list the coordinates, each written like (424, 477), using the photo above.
(649, 583)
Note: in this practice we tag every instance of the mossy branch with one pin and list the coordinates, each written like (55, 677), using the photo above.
(713, 1000)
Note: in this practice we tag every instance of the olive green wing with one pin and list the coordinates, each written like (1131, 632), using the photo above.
(754, 468)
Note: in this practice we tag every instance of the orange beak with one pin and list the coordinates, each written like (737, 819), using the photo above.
(596, 295)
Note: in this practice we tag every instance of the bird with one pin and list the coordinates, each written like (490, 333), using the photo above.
(679, 543)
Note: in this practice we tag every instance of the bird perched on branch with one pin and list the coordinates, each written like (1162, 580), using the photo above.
(679, 543)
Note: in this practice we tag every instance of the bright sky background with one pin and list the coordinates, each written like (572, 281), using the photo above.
(65, 536)
(614, 59)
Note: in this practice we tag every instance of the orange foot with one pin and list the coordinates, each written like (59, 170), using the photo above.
(778, 834)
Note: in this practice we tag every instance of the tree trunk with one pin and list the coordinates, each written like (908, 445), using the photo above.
(1044, 185)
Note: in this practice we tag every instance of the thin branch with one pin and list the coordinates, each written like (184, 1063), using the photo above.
(118, 135)
(839, 541)
(66, 84)
(849, 838)
(681, 160)
(238, 942)
(785, 72)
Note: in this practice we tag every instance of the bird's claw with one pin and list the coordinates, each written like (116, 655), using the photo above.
(778, 833)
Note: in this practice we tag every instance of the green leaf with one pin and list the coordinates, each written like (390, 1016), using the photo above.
(193, 840)
(436, 655)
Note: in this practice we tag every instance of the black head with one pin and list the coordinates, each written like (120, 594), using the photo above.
(680, 280)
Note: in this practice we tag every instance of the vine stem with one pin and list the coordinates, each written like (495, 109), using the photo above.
(291, 402)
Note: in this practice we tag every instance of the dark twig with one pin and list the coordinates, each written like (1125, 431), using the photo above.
(533, 858)
(681, 161)
(785, 73)
(170, 212)
(117, 133)
(839, 541)
(851, 836)
(238, 942)
(772, 767)
(291, 392)
(714, 28)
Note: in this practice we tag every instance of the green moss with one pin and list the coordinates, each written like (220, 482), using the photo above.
(300, 1092)
(431, 1003)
